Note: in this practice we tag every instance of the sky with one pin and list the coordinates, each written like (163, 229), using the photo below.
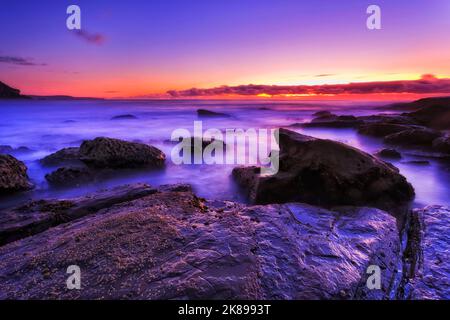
(146, 48)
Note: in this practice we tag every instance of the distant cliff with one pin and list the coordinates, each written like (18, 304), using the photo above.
(6, 92)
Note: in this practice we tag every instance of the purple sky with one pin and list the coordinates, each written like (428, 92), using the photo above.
(140, 48)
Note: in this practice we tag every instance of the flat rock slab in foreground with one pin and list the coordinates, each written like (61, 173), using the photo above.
(173, 245)
(38, 216)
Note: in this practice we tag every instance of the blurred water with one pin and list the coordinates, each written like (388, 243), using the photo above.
(47, 126)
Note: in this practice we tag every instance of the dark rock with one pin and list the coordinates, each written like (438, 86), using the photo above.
(70, 176)
(208, 113)
(382, 129)
(13, 175)
(6, 149)
(388, 119)
(442, 144)
(434, 116)
(63, 156)
(413, 137)
(197, 144)
(171, 245)
(114, 153)
(38, 216)
(430, 254)
(389, 153)
(10, 150)
(419, 104)
(419, 162)
(124, 117)
(333, 121)
(6, 92)
(325, 172)
(322, 113)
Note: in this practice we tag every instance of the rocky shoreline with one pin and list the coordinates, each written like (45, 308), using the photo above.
(312, 231)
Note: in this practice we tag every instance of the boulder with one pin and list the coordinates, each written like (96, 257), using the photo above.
(174, 245)
(208, 113)
(13, 175)
(389, 154)
(70, 176)
(325, 172)
(413, 137)
(114, 153)
(63, 156)
(382, 129)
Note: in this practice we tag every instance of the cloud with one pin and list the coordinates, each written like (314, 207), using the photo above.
(427, 84)
(94, 38)
(19, 61)
(324, 75)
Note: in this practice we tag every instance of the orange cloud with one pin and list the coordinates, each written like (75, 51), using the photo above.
(427, 84)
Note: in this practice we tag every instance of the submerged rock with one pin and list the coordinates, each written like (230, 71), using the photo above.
(413, 137)
(382, 129)
(10, 150)
(325, 172)
(70, 176)
(124, 117)
(173, 245)
(333, 121)
(114, 153)
(13, 175)
(389, 153)
(442, 144)
(322, 113)
(208, 113)
(63, 156)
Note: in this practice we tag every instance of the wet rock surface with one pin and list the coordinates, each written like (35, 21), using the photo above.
(325, 172)
(13, 175)
(429, 254)
(174, 245)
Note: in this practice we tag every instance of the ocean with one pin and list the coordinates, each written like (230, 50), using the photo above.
(45, 126)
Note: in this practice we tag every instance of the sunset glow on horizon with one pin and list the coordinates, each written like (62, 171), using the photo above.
(153, 48)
